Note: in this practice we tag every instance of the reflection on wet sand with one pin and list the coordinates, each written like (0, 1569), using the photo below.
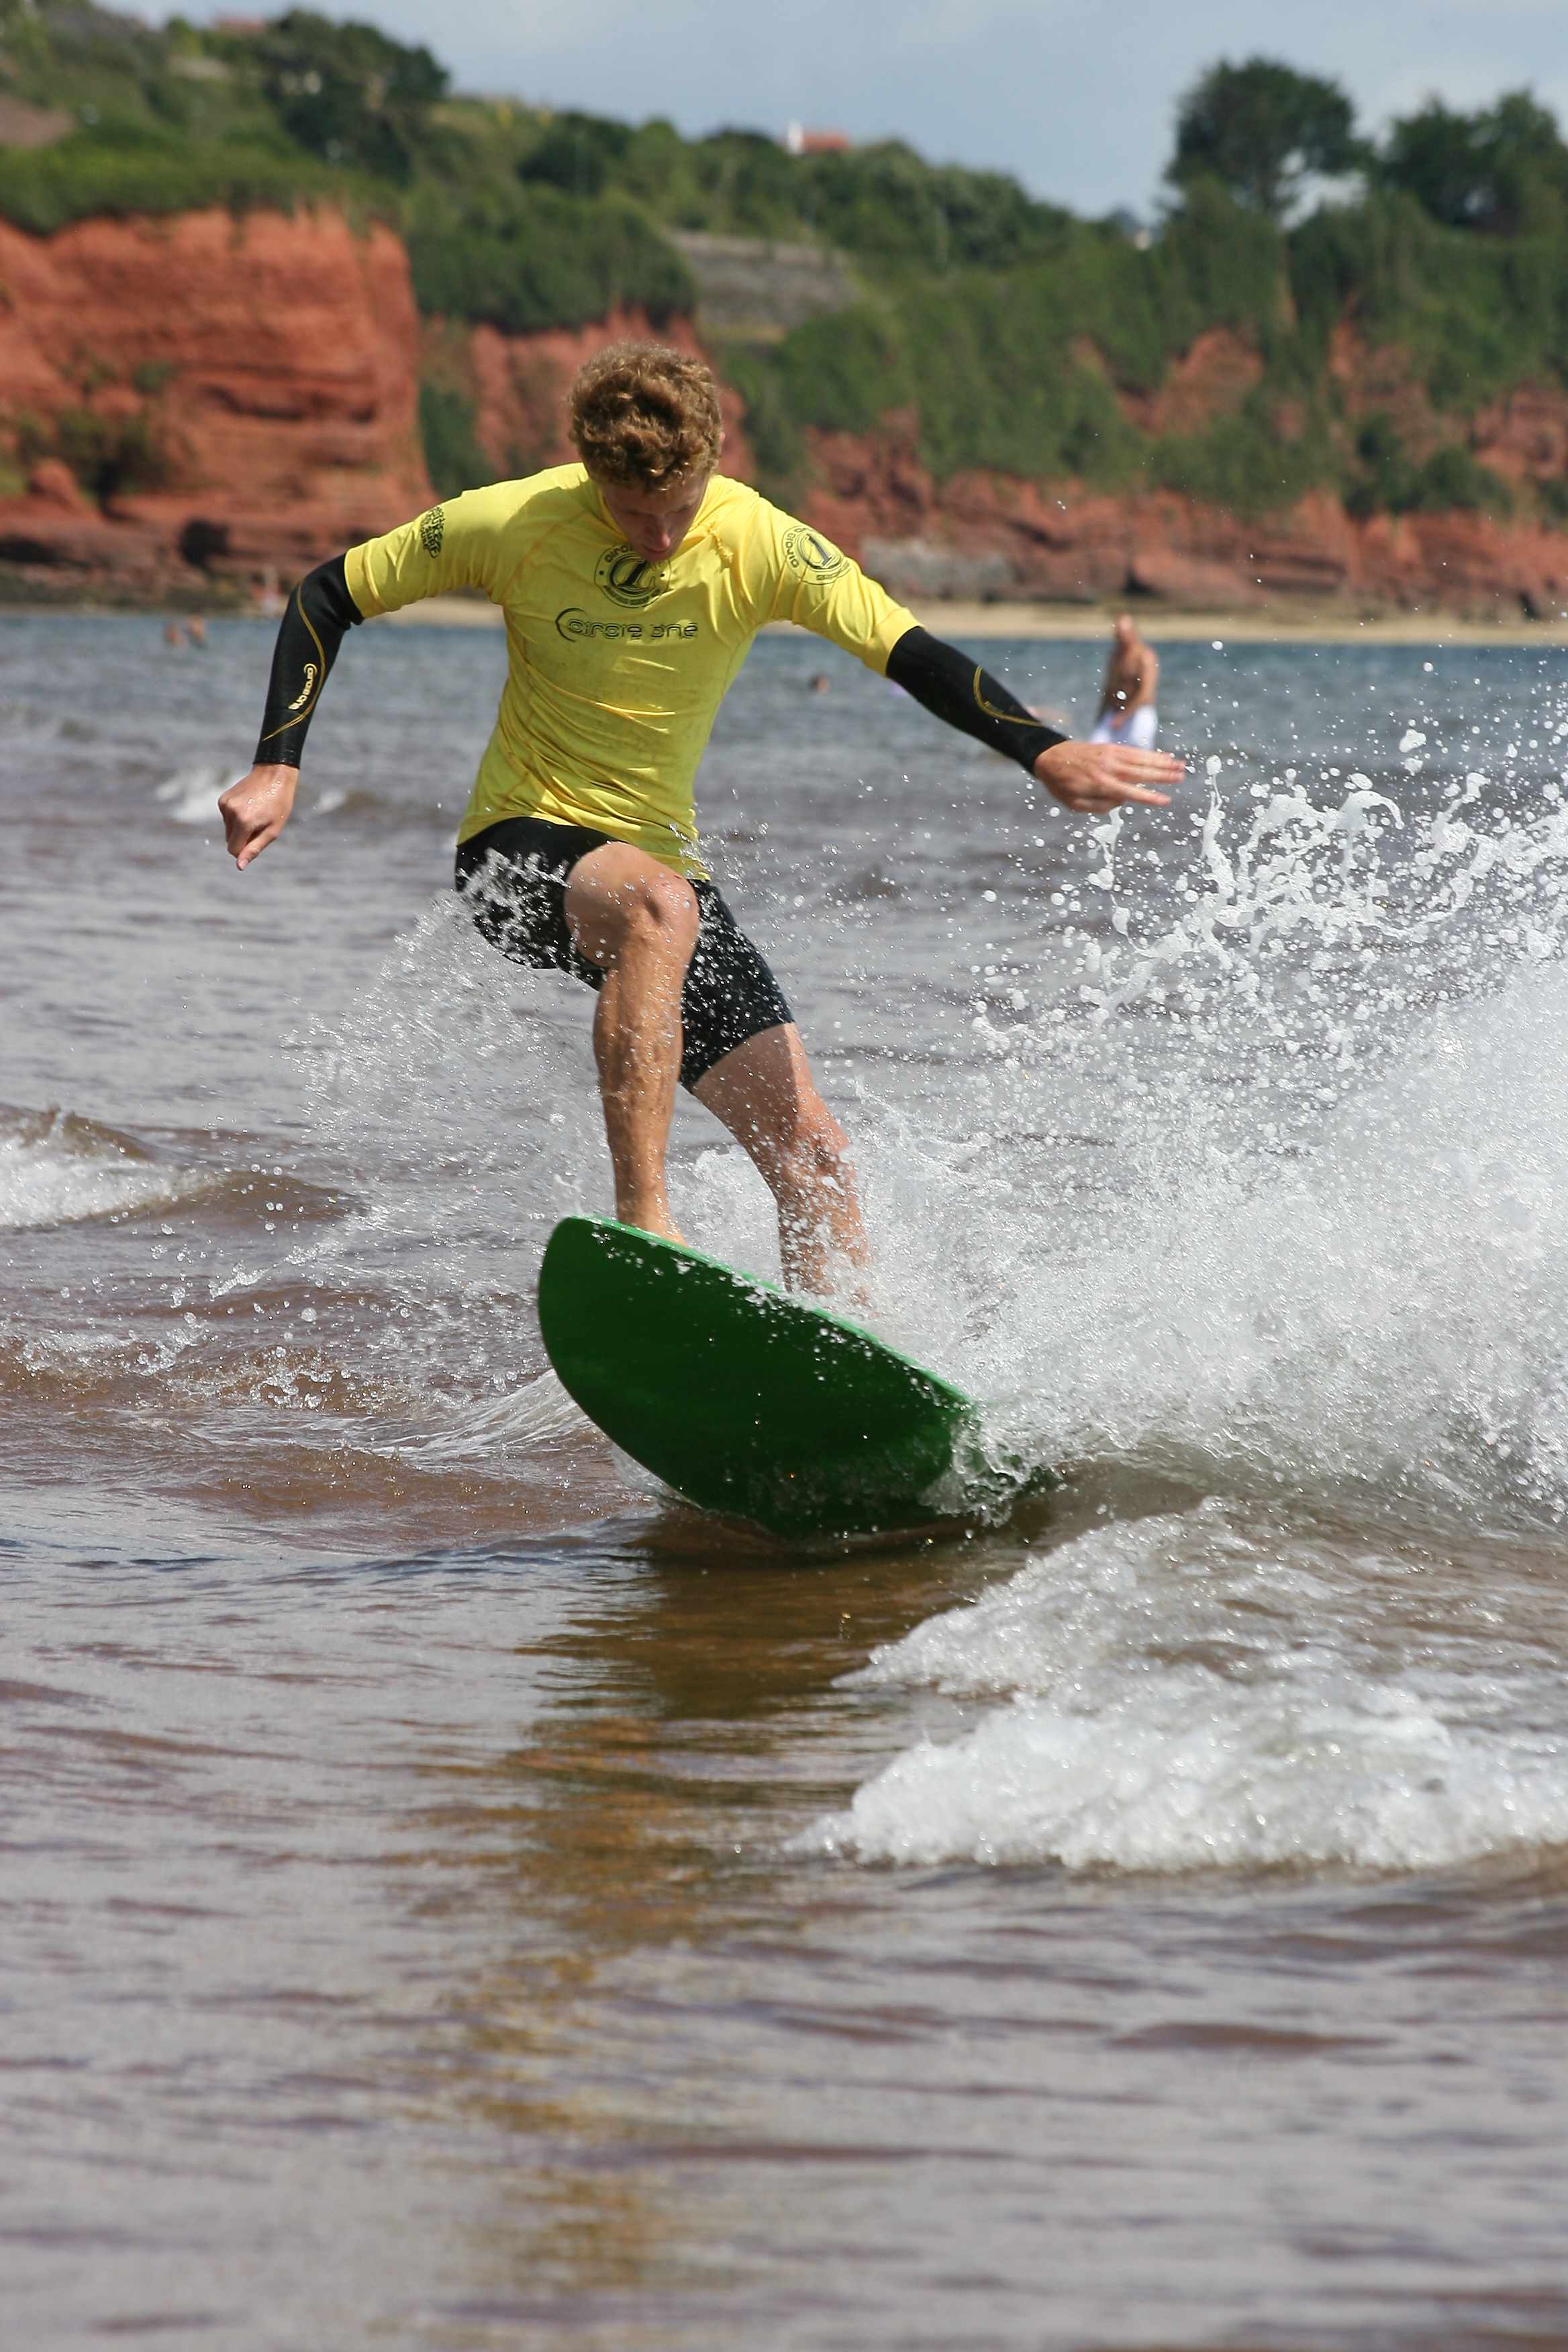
(674, 1730)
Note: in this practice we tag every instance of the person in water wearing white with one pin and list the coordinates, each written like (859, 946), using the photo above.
(633, 585)
(1127, 711)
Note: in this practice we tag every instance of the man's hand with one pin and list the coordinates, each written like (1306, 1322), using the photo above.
(255, 810)
(1093, 777)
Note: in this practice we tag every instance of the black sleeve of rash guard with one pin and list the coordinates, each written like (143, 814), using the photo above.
(953, 688)
(308, 635)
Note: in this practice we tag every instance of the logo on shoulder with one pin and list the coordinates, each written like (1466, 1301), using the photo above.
(809, 551)
(432, 530)
(629, 579)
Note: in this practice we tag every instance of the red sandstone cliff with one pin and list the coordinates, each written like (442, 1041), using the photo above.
(245, 394)
(986, 535)
(263, 369)
(263, 372)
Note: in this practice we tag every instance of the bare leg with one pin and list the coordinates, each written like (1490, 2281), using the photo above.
(765, 1095)
(638, 922)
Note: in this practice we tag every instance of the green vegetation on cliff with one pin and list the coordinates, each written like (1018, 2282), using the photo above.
(1009, 334)
(525, 257)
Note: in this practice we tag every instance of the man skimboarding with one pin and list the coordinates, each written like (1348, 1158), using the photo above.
(632, 585)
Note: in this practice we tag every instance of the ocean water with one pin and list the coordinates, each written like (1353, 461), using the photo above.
(456, 1896)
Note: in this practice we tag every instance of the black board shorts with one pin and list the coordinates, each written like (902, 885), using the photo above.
(512, 877)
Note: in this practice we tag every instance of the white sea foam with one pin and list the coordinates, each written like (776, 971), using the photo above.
(1186, 1778)
(190, 796)
(1215, 1690)
(439, 1028)
(56, 1171)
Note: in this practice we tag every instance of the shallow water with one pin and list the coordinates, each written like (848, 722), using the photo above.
(455, 1895)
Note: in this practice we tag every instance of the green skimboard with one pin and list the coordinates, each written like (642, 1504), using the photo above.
(741, 1398)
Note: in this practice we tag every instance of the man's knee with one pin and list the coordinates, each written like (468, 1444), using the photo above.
(658, 912)
(664, 903)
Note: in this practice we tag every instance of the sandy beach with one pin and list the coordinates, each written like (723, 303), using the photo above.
(1311, 626)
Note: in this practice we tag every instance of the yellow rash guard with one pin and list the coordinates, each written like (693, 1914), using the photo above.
(617, 666)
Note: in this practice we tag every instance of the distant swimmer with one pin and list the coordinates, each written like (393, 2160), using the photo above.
(633, 585)
(1127, 711)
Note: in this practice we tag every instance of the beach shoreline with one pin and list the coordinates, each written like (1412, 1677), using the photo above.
(1274, 627)
(1271, 625)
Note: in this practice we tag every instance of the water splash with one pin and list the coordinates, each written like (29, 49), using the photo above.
(190, 796)
(1278, 1183)
(1262, 1179)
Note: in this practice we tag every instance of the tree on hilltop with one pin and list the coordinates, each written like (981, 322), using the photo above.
(1262, 130)
(1500, 170)
(346, 93)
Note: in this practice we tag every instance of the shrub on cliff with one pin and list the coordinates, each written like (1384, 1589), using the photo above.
(1386, 481)
(533, 257)
(577, 154)
(888, 204)
(882, 201)
(1019, 369)
(109, 455)
(453, 459)
(1452, 479)
(43, 189)
(1244, 463)
(1474, 315)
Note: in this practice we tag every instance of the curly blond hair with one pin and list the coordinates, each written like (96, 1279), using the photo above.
(645, 417)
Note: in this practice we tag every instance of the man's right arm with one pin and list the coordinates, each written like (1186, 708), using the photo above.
(461, 543)
(255, 810)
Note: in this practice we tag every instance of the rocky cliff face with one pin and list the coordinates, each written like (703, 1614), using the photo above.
(988, 536)
(207, 398)
(233, 395)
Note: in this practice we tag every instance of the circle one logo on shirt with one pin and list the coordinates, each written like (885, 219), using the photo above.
(810, 553)
(629, 579)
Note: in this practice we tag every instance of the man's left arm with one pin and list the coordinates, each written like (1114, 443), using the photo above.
(1087, 777)
(795, 574)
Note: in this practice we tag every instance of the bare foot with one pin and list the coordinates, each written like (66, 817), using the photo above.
(658, 1223)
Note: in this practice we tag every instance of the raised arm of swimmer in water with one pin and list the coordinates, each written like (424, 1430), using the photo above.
(255, 810)
(1132, 672)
